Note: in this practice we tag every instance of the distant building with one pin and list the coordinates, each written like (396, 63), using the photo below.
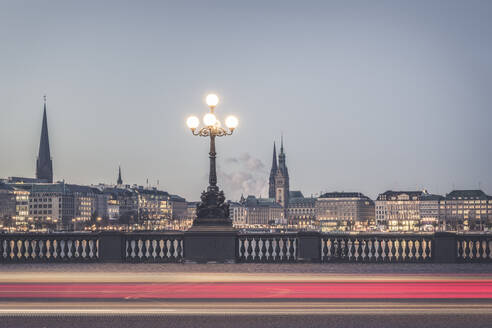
(154, 208)
(301, 212)
(7, 202)
(466, 210)
(179, 209)
(44, 164)
(191, 210)
(119, 181)
(51, 204)
(429, 211)
(344, 211)
(122, 204)
(238, 213)
(279, 179)
(263, 211)
(24, 180)
(89, 202)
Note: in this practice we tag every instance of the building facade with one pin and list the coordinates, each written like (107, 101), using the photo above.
(466, 210)
(398, 210)
(301, 212)
(345, 211)
(264, 212)
(279, 179)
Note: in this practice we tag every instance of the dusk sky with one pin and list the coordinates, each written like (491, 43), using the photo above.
(369, 95)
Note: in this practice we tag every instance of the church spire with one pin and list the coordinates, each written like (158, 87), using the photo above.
(282, 188)
(281, 159)
(273, 171)
(120, 180)
(282, 143)
(274, 160)
(44, 164)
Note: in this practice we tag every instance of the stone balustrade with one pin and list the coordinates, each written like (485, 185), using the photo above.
(250, 248)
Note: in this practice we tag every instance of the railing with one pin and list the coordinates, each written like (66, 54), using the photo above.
(49, 247)
(267, 248)
(158, 247)
(248, 248)
(376, 248)
(474, 248)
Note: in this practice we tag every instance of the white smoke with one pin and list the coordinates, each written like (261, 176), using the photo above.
(245, 175)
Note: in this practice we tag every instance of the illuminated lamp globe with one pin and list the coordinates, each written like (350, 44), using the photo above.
(212, 100)
(193, 122)
(231, 122)
(209, 119)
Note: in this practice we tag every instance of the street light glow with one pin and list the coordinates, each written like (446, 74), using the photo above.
(231, 122)
(209, 119)
(212, 100)
(193, 122)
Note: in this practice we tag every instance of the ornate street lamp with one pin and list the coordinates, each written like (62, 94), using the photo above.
(212, 210)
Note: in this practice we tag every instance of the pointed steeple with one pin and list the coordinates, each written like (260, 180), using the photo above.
(44, 164)
(274, 160)
(281, 159)
(120, 180)
(282, 143)
(282, 180)
(273, 171)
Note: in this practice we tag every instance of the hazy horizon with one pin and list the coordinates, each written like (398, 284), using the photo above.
(369, 96)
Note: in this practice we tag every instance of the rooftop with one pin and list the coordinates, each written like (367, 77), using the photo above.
(337, 194)
(467, 194)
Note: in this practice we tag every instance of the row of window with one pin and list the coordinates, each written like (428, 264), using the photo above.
(41, 206)
(41, 212)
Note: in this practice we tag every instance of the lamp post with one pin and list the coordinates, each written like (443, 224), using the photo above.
(212, 210)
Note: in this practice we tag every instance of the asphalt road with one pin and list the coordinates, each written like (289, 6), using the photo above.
(238, 315)
(205, 296)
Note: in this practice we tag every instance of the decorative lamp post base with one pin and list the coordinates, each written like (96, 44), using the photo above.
(212, 238)
(212, 212)
(202, 246)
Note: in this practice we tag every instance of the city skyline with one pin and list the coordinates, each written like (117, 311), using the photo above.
(249, 163)
(352, 122)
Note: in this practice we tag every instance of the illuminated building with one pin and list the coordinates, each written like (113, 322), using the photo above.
(51, 204)
(263, 212)
(122, 204)
(237, 213)
(429, 212)
(466, 210)
(399, 210)
(344, 211)
(154, 208)
(301, 212)
(7, 203)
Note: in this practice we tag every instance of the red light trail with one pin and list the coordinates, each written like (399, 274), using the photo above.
(440, 289)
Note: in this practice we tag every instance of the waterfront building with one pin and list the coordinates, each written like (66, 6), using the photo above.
(51, 205)
(191, 210)
(429, 210)
(468, 210)
(398, 210)
(301, 212)
(122, 204)
(179, 213)
(7, 202)
(238, 213)
(154, 208)
(344, 211)
(263, 212)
